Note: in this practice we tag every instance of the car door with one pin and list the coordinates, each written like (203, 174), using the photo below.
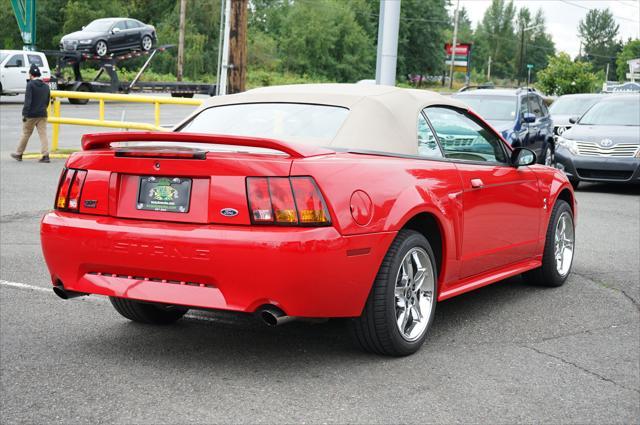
(501, 205)
(14, 73)
(535, 128)
(134, 33)
(118, 38)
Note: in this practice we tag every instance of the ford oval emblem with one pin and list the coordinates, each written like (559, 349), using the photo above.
(229, 212)
(605, 143)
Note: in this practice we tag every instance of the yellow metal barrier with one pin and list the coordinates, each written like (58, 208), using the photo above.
(56, 120)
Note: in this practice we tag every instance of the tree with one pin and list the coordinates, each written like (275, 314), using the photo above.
(598, 32)
(495, 38)
(323, 38)
(631, 50)
(563, 76)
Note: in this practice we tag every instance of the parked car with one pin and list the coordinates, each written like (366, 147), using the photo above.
(314, 201)
(14, 70)
(520, 115)
(604, 145)
(569, 108)
(108, 35)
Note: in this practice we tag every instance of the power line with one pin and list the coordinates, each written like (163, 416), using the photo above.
(589, 8)
(634, 5)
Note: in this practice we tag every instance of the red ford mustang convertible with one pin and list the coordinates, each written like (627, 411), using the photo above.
(315, 201)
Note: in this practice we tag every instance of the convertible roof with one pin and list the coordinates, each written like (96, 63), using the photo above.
(381, 118)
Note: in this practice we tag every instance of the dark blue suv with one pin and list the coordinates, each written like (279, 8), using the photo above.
(520, 115)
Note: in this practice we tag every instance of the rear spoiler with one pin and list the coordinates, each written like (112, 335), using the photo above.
(94, 141)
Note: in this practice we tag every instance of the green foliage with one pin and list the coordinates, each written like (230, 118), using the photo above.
(598, 32)
(421, 39)
(322, 37)
(563, 76)
(631, 50)
(495, 37)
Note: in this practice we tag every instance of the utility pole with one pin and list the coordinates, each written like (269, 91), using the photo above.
(224, 63)
(388, 29)
(489, 70)
(238, 46)
(521, 65)
(454, 43)
(606, 78)
(183, 16)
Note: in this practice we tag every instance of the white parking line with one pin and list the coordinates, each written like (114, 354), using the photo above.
(24, 286)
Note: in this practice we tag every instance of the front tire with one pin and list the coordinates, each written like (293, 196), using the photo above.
(559, 249)
(548, 159)
(402, 302)
(101, 48)
(152, 314)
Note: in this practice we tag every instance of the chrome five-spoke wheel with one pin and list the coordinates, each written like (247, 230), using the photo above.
(563, 243)
(399, 310)
(414, 294)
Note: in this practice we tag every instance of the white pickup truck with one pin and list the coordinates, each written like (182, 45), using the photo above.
(14, 70)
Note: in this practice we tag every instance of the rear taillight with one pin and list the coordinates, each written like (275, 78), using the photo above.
(70, 189)
(289, 201)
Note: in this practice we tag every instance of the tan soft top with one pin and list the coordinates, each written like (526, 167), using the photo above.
(381, 118)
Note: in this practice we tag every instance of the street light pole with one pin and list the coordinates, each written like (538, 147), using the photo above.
(453, 44)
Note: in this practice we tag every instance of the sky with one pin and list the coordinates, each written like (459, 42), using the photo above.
(563, 16)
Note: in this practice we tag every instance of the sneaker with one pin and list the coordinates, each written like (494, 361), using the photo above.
(16, 156)
(45, 158)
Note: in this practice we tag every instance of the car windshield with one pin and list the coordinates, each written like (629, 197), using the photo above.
(572, 105)
(99, 25)
(3, 56)
(316, 123)
(614, 112)
(492, 107)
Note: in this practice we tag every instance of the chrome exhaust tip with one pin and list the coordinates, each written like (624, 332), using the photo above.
(273, 316)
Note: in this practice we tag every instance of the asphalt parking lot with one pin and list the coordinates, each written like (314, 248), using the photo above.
(503, 354)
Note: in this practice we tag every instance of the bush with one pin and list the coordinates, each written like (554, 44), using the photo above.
(563, 76)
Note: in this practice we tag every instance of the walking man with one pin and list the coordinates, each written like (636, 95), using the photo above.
(34, 114)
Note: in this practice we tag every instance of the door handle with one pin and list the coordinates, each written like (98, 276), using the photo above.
(23, 72)
(476, 183)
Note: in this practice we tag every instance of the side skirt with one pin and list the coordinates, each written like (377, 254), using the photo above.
(474, 282)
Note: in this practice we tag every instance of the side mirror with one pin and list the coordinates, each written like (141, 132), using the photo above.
(115, 30)
(521, 157)
(84, 26)
(574, 119)
(528, 117)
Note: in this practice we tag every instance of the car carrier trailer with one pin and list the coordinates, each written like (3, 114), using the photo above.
(109, 65)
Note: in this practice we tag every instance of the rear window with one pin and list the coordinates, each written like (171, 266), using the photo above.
(614, 112)
(492, 107)
(36, 59)
(572, 105)
(285, 121)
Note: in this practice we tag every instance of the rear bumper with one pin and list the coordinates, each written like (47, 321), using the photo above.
(598, 169)
(307, 272)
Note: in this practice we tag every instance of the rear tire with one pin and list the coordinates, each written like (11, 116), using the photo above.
(403, 296)
(85, 88)
(153, 314)
(147, 43)
(554, 271)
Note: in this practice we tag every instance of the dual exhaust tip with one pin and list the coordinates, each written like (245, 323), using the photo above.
(270, 315)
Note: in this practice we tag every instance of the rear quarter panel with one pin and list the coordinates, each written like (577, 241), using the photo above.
(399, 189)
